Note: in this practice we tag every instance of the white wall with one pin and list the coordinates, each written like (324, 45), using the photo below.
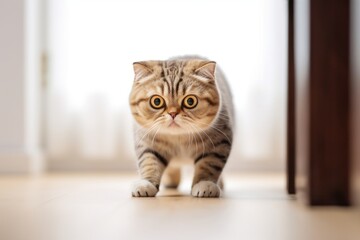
(19, 74)
(11, 75)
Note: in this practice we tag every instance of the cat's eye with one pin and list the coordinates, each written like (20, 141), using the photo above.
(190, 101)
(157, 102)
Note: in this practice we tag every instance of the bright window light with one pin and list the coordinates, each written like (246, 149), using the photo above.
(92, 45)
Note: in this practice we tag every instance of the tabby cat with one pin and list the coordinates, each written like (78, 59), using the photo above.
(184, 113)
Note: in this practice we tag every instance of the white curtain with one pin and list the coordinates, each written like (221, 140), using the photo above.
(92, 45)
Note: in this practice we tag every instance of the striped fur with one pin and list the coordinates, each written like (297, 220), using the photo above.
(202, 135)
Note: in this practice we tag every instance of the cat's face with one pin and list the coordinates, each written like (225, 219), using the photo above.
(175, 97)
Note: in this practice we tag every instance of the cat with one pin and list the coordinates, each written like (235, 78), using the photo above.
(183, 110)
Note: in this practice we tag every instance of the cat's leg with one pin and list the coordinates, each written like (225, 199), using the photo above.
(206, 182)
(221, 183)
(151, 166)
(171, 177)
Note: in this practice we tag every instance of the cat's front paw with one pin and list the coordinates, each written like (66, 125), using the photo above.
(143, 188)
(205, 189)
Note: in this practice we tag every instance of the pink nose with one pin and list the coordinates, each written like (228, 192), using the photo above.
(173, 114)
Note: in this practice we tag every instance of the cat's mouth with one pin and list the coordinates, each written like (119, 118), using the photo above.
(173, 124)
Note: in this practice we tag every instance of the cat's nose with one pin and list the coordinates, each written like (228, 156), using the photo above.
(173, 114)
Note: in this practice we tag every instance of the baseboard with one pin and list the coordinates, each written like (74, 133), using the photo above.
(77, 165)
(21, 163)
(356, 189)
(255, 166)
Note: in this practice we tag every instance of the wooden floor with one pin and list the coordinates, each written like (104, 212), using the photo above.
(99, 206)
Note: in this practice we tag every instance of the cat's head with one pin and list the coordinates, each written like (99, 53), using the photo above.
(175, 97)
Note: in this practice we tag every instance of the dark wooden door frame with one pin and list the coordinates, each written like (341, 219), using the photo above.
(329, 159)
(290, 155)
(328, 108)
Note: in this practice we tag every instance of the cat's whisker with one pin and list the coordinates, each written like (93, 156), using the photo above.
(193, 138)
(194, 127)
(196, 143)
(226, 119)
(208, 125)
(206, 135)
(188, 132)
(222, 117)
(144, 126)
(146, 133)
(152, 142)
(223, 114)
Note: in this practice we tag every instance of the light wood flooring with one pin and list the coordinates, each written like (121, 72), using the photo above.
(99, 206)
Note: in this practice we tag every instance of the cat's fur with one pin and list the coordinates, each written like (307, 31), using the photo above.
(202, 135)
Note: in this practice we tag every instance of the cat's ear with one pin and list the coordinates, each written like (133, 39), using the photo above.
(206, 69)
(141, 70)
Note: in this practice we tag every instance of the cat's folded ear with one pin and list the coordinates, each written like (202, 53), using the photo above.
(141, 70)
(145, 69)
(206, 70)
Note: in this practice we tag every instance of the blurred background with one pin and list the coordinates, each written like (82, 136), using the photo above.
(66, 74)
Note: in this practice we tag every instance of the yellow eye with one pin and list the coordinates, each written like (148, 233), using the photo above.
(157, 102)
(190, 101)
